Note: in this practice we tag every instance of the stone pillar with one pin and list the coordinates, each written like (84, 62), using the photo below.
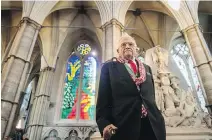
(14, 71)
(112, 32)
(40, 104)
(201, 58)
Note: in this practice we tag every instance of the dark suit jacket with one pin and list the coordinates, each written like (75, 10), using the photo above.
(119, 103)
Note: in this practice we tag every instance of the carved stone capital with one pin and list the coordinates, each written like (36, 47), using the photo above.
(30, 22)
(16, 57)
(194, 26)
(112, 22)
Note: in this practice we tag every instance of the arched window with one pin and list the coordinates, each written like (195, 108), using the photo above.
(180, 54)
(80, 84)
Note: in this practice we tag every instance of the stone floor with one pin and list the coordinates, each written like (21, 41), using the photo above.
(179, 134)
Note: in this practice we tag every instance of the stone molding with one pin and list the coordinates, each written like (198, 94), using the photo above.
(48, 68)
(16, 57)
(190, 27)
(63, 132)
(112, 22)
(208, 62)
(30, 22)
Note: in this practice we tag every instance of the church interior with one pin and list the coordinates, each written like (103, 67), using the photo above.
(52, 53)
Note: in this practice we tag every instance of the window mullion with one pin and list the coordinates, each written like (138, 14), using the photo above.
(79, 90)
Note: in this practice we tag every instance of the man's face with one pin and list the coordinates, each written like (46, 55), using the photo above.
(127, 49)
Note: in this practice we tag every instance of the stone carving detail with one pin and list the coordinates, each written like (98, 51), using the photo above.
(68, 133)
(73, 135)
(157, 58)
(179, 107)
(53, 135)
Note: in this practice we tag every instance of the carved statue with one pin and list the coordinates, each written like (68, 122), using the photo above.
(157, 59)
(178, 106)
(180, 93)
(159, 98)
(207, 119)
(189, 112)
(160, 58)
(170, 98)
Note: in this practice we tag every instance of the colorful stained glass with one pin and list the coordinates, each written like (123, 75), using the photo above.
(72, 80)
(84, 49)
(87, 104)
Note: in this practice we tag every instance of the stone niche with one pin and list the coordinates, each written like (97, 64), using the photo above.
(184, 118)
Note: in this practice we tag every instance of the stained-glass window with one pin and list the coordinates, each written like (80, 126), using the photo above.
(72, 80)
(84, 49)
(181, 65)
(180, 53)
(79, 93)
(87, 107)
(197, 84)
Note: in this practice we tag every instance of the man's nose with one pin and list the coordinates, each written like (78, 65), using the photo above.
(128, 46)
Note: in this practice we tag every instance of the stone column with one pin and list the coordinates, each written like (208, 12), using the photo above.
(112, 32)
(14, 71)
(201, 58)
(40, 104)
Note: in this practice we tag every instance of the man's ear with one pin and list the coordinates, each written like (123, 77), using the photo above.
(117, 50)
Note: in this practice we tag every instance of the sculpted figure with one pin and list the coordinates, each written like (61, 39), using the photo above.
(159, 98)
(180, 93)
(189, 112)
(169, 95)
(160, 58)
(157, 59)
(207, 119)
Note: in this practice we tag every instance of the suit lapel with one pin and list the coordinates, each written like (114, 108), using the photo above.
(125, 74)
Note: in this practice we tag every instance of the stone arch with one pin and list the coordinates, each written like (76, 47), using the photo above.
(90, 21)
(104, 8)
(81, 34)
(136, 36)
(179, 16)
(176, 40)
(53, 135)
(35, 10)
(64, 53)
(73, 134)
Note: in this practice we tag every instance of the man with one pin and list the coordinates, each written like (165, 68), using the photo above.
(126, 98)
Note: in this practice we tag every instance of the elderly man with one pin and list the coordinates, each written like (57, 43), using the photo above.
(126, 98)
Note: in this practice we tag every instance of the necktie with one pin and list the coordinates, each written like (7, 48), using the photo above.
(133, 66)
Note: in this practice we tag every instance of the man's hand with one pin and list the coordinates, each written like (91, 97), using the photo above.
(107, 131)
